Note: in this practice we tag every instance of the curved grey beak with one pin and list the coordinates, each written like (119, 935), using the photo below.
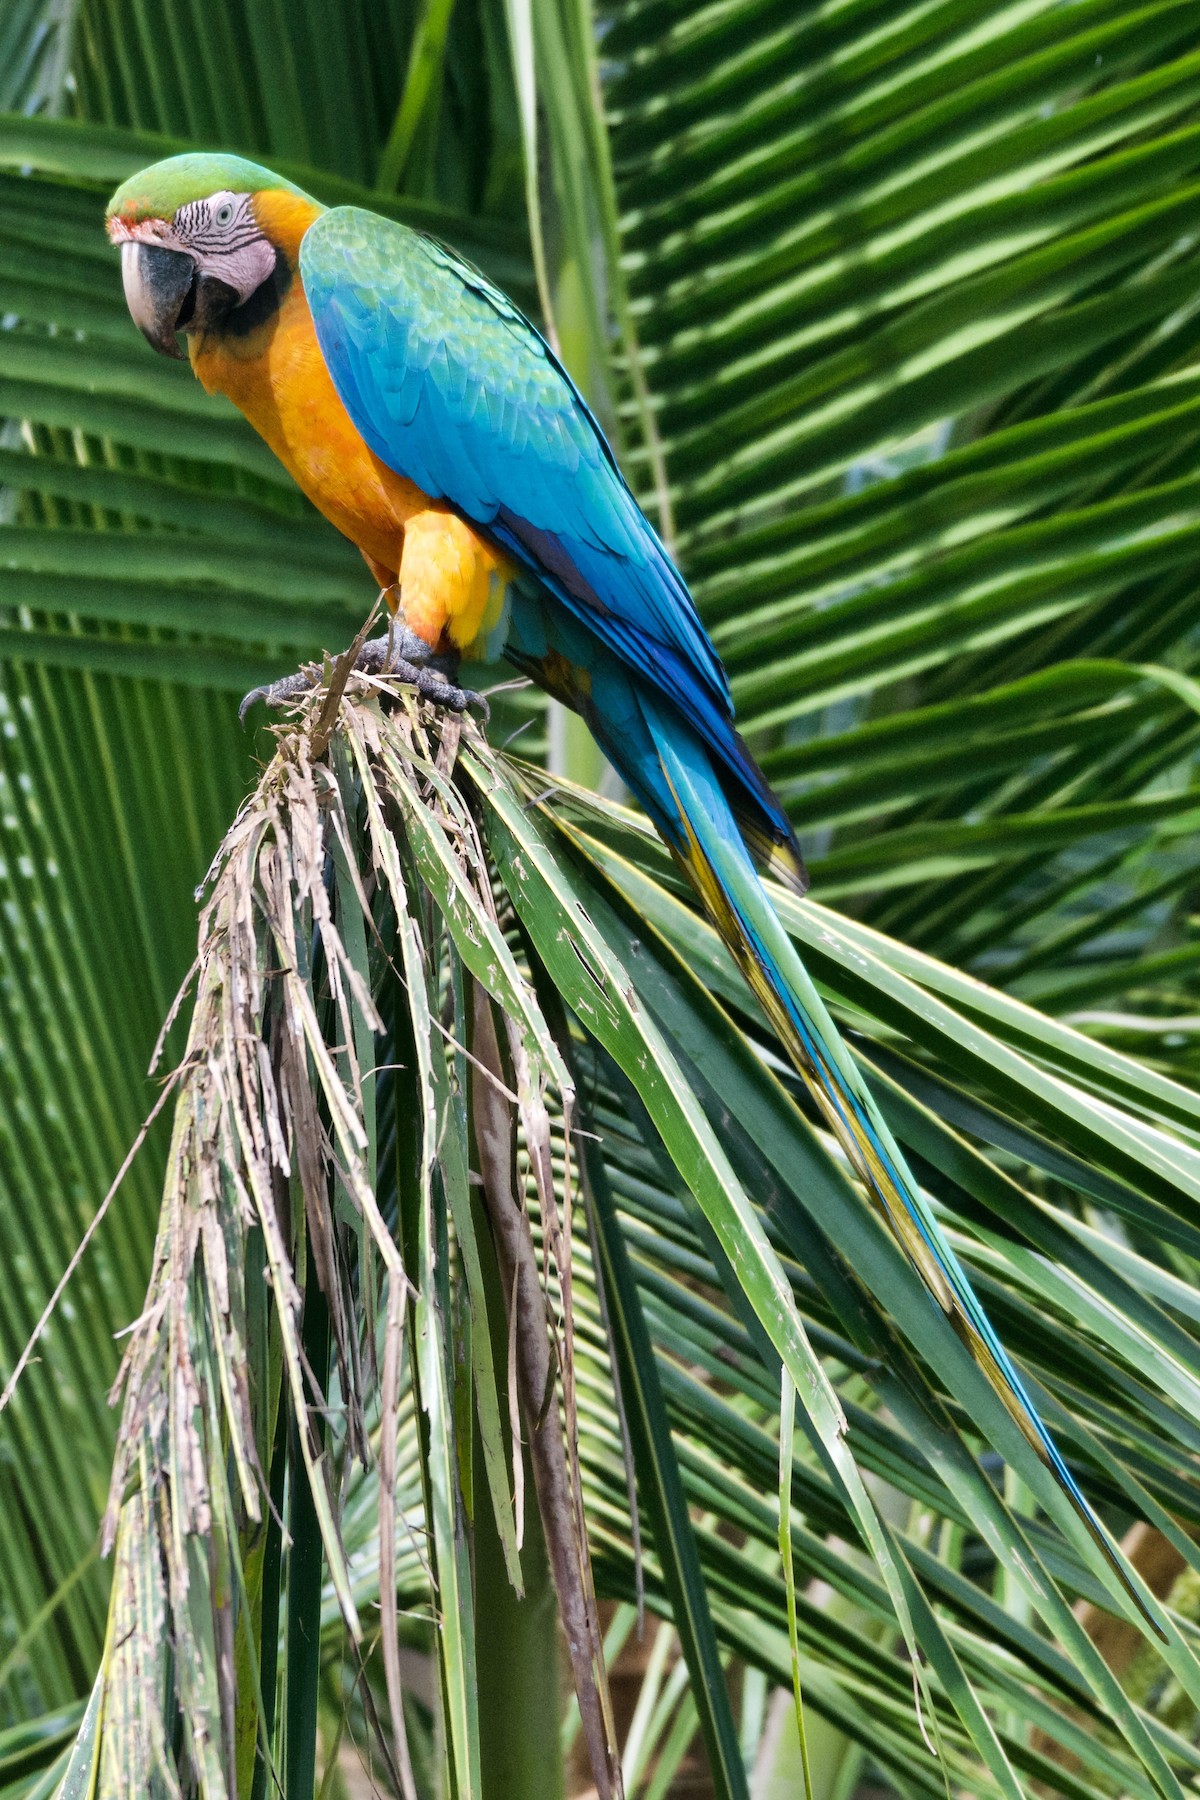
(157, 282)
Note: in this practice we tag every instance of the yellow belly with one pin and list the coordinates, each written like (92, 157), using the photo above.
(450, 583)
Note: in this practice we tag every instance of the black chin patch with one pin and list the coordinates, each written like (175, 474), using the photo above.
(215, 308)
(264, 302)
(188, 308)
(212, 308)
(212, 301)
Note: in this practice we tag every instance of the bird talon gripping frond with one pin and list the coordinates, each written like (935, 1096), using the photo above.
(435, 427)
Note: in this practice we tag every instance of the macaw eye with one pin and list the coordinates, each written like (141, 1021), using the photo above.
(224, 213)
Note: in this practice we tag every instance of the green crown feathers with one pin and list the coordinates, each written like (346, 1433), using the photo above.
(159, 191)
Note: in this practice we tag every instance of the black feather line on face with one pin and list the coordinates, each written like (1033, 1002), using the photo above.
(223, 243)
(195, 226)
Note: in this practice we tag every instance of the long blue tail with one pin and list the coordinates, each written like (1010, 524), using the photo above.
(685, 762)
(706, 839)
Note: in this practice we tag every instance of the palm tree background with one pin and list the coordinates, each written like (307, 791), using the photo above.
(892, 310)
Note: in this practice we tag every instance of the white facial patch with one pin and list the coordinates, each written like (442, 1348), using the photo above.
(224, 236)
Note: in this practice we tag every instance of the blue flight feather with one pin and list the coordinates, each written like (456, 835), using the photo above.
(454, 389)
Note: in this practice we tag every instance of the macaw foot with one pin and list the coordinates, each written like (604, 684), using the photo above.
(399, 653)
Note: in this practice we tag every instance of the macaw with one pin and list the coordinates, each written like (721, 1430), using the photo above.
(434, 426)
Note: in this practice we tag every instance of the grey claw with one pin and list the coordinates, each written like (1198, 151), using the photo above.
(403, 649)
(277, 693)
(401, 654)
(248, 700)
(384, 656)
(432, 685)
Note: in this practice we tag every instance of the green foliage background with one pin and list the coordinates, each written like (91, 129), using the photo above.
(893, 311)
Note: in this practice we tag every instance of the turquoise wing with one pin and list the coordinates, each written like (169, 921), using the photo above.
(452, 387)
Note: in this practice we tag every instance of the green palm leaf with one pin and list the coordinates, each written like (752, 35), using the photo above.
(905, 348)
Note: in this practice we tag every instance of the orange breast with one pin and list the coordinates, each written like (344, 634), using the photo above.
(277, 377)
(451, 583)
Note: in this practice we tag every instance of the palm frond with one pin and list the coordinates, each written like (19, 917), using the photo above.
(351, 909)
(919, 320)
(134, 512)
(904, 348)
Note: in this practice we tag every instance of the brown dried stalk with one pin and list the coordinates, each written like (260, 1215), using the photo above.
(270, 1157)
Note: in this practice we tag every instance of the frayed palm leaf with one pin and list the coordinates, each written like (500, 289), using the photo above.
(317, 1177)
(411, 968)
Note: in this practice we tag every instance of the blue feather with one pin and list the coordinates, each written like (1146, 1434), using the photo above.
(453, 389)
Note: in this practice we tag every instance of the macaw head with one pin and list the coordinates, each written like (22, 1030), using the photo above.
(197, 246)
